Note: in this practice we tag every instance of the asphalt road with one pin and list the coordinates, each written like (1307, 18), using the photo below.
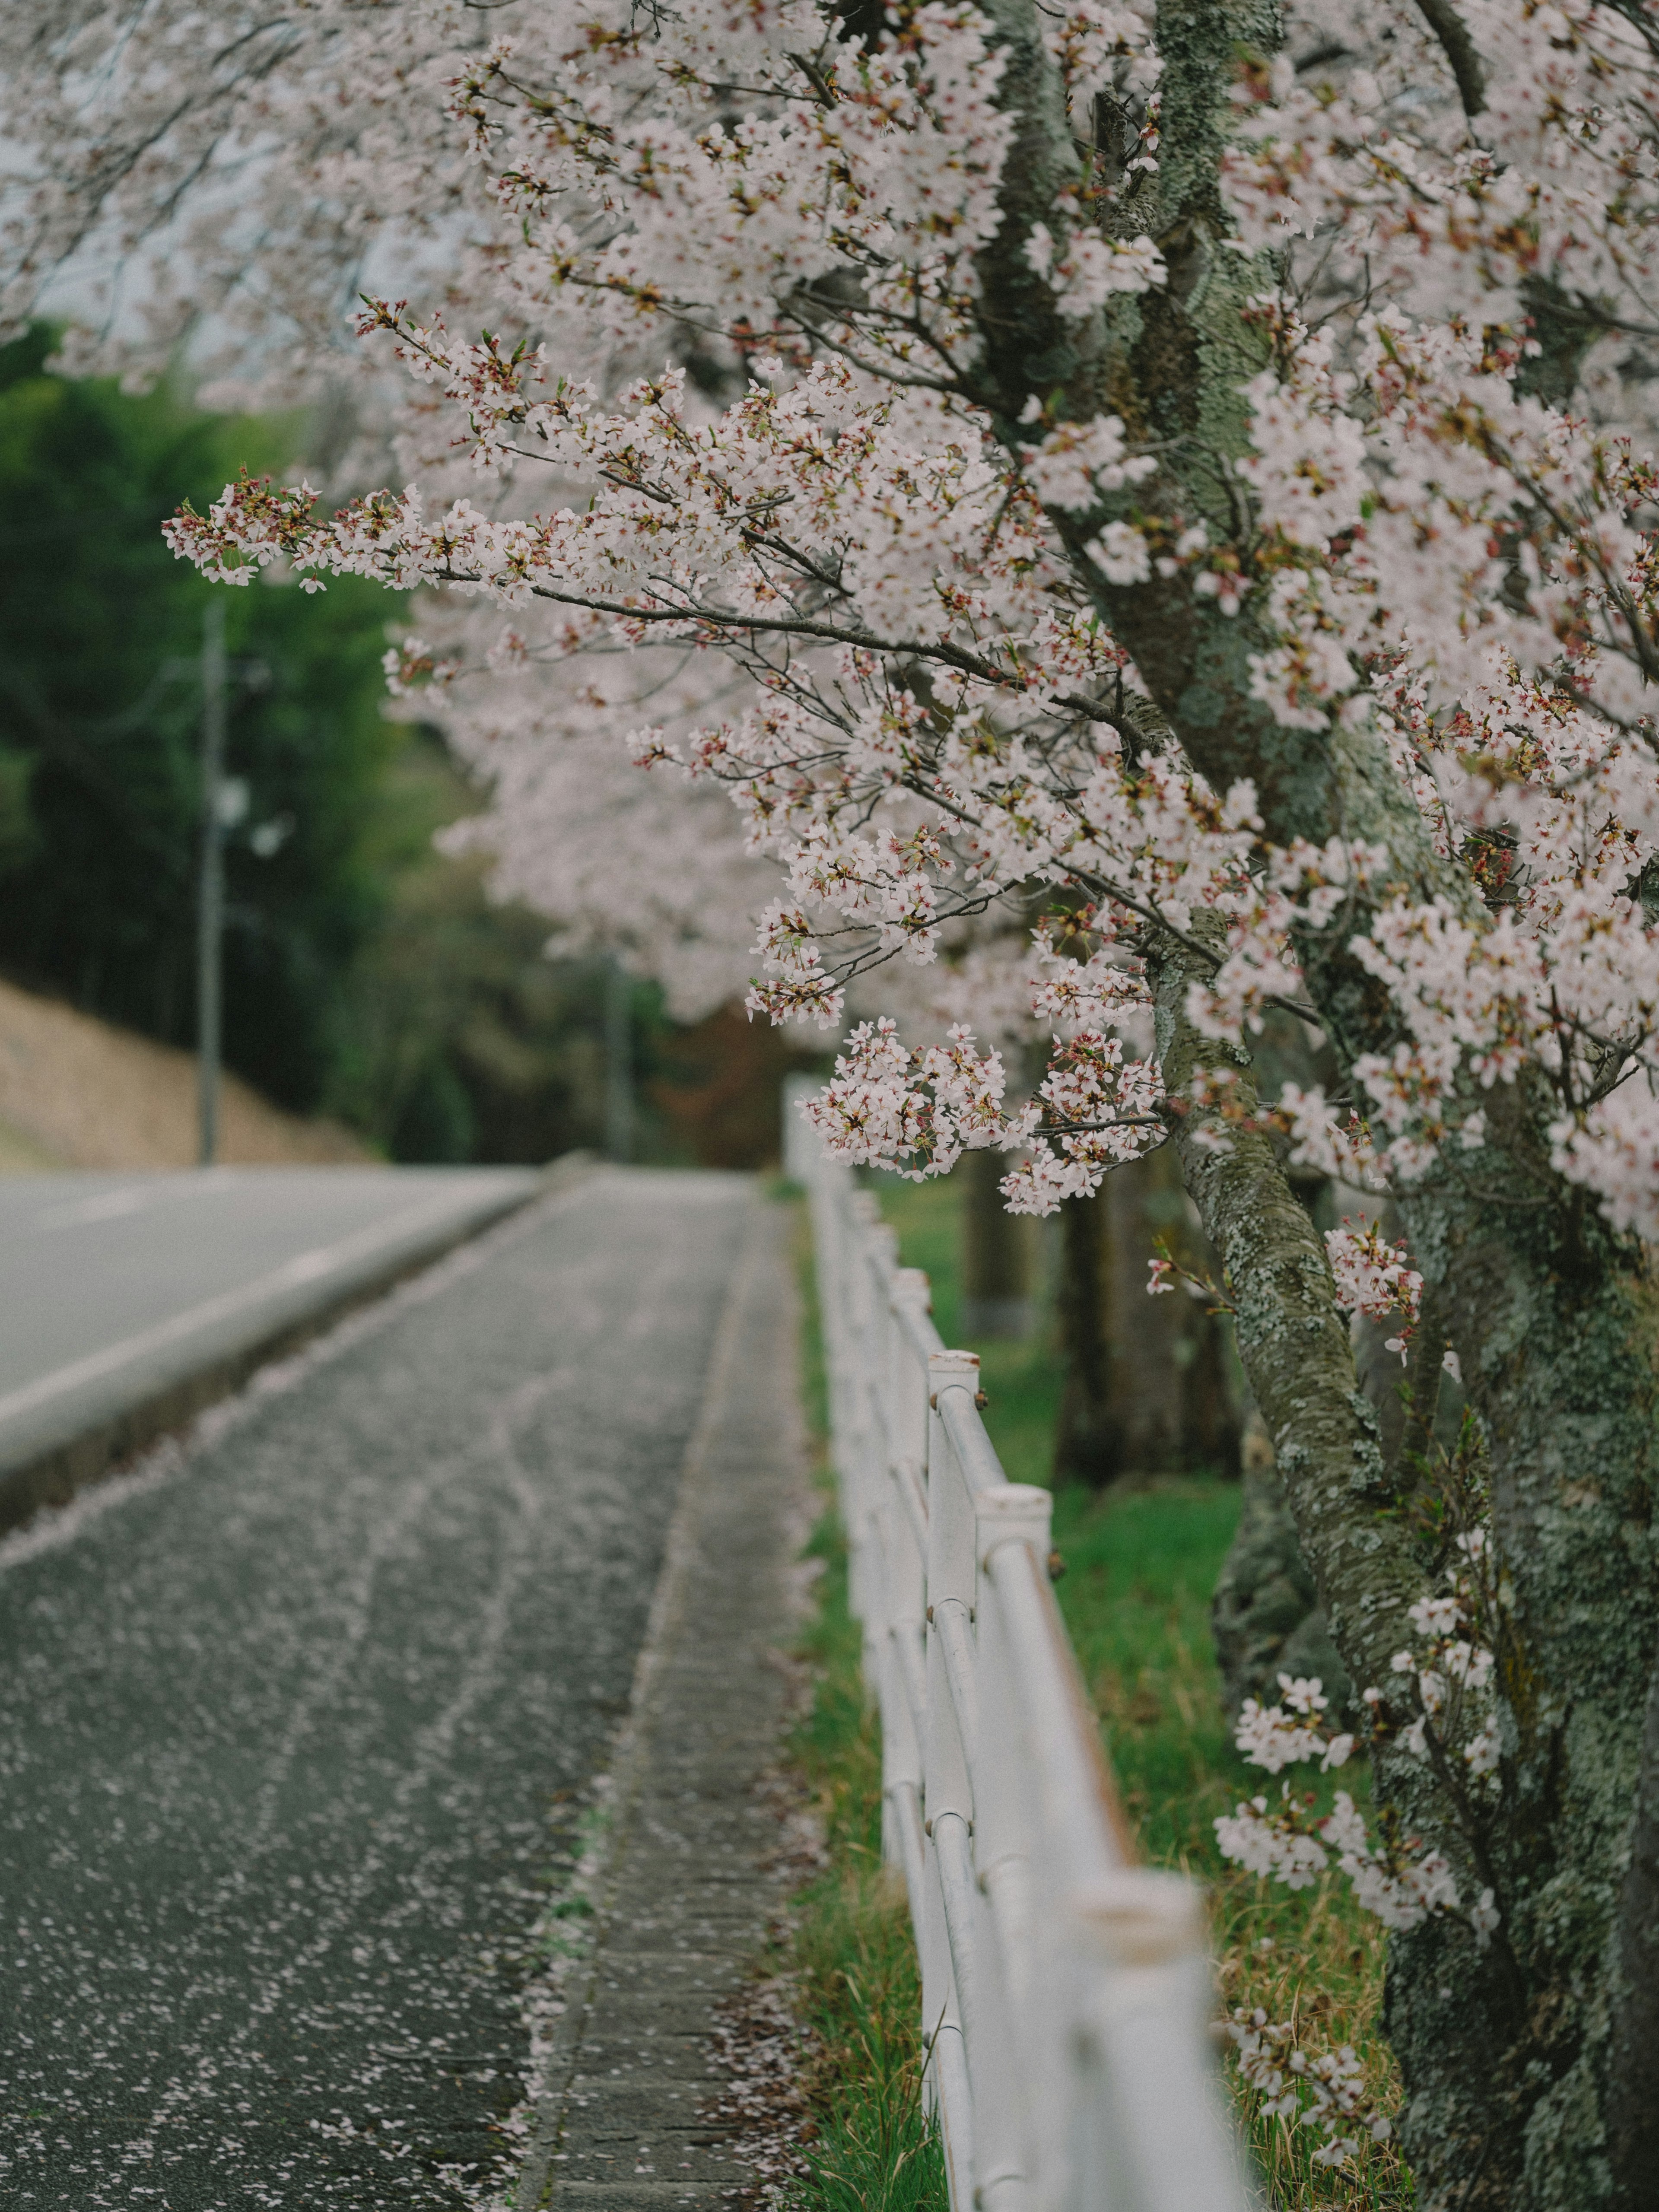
(112, 1287)
(292, 1727)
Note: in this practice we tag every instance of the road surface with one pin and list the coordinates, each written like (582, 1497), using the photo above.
(294, 1726)
(115, 1289)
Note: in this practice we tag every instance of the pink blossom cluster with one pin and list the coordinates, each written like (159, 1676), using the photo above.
(1287, 1842)
(1378, 160)
(916, 1111)
(722, 531)
(1324, 2090)
(1449, 1670)
(870, 610)
(1374, 1277)
(1274, 1738)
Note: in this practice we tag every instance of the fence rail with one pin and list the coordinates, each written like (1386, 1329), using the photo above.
(1066, 1990)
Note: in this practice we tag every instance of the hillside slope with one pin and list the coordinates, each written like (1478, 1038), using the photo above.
(76, 1092)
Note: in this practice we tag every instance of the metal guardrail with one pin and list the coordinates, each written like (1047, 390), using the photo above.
(1066, 1990)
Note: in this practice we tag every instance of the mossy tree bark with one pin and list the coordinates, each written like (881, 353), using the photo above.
(1266, 1615)
(1532, 2069)
(1522, 2063)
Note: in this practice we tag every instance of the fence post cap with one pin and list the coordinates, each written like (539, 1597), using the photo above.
(911, 1286)
(1142, 1915)
(948, 1367)
(1012, 1501)
(1011, 1513)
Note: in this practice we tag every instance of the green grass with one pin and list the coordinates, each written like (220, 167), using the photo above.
(853, 1955)
(1140, 1564)
(849, 1947)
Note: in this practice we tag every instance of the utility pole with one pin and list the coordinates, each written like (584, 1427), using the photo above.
(618, 1063)
(211, 901)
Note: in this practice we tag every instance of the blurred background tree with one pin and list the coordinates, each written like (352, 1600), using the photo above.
(99, 718)
(461, 1040)
(367, 976)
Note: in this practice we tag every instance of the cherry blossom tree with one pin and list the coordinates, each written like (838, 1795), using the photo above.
(632, 865)
(1172, 491)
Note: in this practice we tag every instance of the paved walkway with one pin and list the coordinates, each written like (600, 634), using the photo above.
(294, 1727)
(692, 1882)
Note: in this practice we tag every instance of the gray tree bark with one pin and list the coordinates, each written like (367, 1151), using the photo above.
(1266, 1615)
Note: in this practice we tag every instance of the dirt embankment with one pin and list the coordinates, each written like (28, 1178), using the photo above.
(77, 1093)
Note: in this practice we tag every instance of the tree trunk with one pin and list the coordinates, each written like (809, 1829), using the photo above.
(1146, 1389)
(1530, 2066)
(1529, 2073)
(996, 1253)
(1266, 1615)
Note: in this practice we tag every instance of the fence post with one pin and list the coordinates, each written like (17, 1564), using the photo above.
(1013, 1513)
(903, 1646)
(863, 1474)
(1150, 2128)
(802, 1146)
(945, 1790)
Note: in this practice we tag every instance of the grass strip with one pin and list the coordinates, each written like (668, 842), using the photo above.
(848, 1954)
(854, 1962)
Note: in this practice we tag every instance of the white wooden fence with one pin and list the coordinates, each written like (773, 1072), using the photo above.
(1066, 1990)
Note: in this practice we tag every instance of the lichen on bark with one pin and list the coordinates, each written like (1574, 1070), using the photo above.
(1266, 1616)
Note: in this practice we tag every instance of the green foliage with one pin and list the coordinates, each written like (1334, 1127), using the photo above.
(461, 1040)
(366, 974)
(99, 708)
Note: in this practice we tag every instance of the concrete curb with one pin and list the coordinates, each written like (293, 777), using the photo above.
(49, 1475)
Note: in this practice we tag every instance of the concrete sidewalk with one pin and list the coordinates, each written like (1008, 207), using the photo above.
(627, 2120)
(133, 1301)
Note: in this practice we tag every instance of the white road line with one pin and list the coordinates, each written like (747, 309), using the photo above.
(132, 1198)
(305, 1268)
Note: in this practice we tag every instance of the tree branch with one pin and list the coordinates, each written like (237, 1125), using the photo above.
(1453, 32)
